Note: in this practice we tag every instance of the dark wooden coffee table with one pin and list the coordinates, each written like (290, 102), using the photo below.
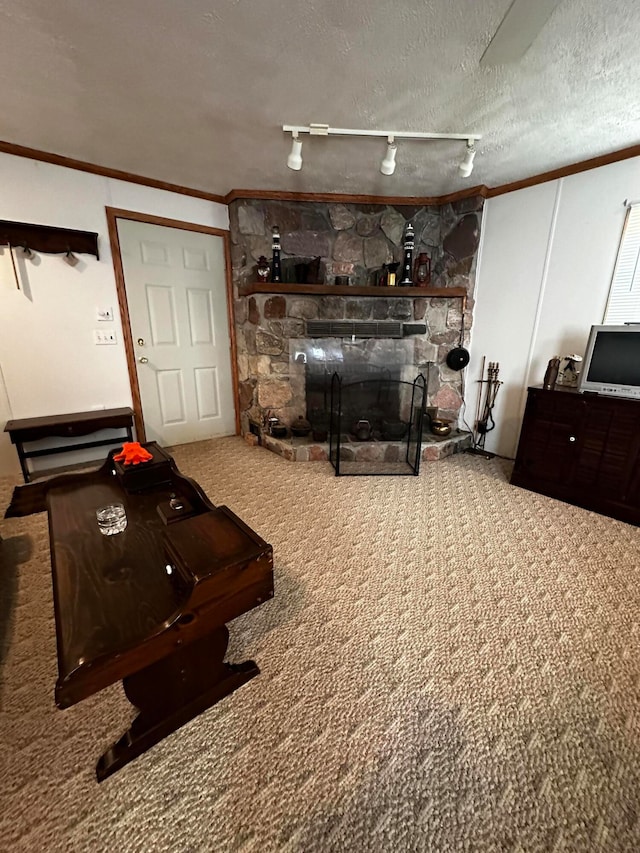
(148, 605)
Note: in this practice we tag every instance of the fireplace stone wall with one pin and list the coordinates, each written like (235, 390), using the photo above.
(353, 240)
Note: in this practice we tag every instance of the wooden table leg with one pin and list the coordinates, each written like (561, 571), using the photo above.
(173, 691)
(23, 462)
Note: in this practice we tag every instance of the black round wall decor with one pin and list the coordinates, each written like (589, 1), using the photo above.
(457, 358)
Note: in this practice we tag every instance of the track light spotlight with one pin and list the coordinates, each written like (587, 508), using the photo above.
(294, 161)
(27, 252)
(70, 258)
(466, 167)
(388, 165)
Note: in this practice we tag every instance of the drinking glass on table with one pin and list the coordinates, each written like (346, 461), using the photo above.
(111, 519)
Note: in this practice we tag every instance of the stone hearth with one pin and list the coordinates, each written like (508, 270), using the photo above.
(307, 450)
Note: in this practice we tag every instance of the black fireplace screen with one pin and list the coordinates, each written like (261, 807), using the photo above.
(376, 425)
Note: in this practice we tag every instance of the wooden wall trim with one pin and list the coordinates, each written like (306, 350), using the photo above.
(231, 311)
(152, 219)
(104, 171)
(113, 214)
(565, 171)
(347, 198)
(481, 189)
(344, 198)
(123, 305)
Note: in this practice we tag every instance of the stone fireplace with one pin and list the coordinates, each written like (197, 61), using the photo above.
(280, 353)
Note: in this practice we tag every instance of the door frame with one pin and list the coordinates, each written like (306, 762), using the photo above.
(115, 213)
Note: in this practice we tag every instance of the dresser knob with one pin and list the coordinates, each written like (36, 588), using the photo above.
(572, 438)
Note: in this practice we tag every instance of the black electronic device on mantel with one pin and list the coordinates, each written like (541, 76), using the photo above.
(612, 361)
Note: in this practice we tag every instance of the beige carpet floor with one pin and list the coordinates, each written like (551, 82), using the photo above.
(449, 664)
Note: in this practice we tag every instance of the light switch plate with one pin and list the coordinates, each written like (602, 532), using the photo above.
(104, 314)
(104, 337)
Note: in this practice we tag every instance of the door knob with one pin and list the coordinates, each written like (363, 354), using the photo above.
(143, 359)
(140, 342)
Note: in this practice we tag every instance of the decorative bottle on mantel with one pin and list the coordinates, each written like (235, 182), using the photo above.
(407, 265)
(276, 269)
(263, 269)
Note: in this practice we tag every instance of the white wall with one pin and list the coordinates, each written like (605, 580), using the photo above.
(544, 271)
(48, 359)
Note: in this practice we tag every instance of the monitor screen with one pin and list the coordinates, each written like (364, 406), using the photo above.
(616, 358)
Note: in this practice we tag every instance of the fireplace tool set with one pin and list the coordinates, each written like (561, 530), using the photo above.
(484, 421)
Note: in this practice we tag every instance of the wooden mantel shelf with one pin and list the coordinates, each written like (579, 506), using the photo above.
(350, 290)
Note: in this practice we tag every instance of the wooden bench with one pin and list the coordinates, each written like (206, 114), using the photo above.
(25, 430)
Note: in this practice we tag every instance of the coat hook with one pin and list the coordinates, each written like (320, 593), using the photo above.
(70, 258)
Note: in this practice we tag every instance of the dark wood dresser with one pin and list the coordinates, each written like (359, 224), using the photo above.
(583, 449)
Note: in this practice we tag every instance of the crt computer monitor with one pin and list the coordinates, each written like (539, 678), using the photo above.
(612, 361)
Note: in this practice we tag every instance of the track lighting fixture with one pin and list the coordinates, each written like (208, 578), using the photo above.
(466, 167)
(70, 258)
(388, 165)
(294, 160)
(27, 253)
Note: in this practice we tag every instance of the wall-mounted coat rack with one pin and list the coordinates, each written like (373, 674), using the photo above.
(48, 239)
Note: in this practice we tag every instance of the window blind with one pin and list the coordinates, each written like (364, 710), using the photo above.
(624, 296)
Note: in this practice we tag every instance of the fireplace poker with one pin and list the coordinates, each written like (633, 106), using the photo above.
(485, 422)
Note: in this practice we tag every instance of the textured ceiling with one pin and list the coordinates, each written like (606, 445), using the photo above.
(196, 92)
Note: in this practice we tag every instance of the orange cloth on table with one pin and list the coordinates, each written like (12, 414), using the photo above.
(133, 453)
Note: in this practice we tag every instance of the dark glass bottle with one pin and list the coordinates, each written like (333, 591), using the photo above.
(407, 265)
(263, 268)
(276, 269)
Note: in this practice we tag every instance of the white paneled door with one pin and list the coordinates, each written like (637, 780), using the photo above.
(176, 290)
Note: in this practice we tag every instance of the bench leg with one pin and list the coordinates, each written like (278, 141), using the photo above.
(23, 462)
